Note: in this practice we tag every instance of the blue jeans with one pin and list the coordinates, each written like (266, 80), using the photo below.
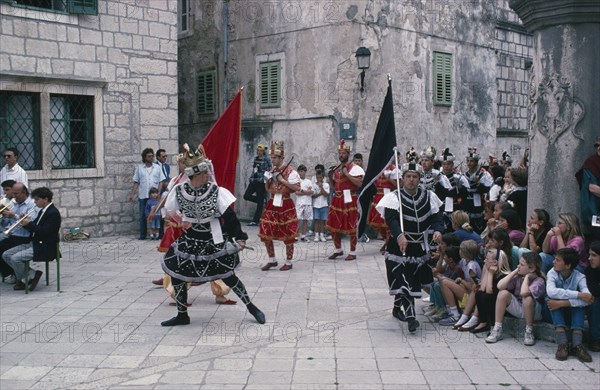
(577, 315)
(593, 312)
(436, 296)
(143, 226)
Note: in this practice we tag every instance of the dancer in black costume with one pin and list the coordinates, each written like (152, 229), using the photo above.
(408, 249)
(208, 249)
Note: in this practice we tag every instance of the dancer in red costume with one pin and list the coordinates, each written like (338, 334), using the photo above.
(385, 183)
(279, 220)
(343, 214)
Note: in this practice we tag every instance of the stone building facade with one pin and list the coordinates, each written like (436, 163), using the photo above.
(459, 73)
(85, 85)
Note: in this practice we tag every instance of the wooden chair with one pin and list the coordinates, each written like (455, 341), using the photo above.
(57, 258)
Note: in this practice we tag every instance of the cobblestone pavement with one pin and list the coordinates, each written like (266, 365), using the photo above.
(329, 326)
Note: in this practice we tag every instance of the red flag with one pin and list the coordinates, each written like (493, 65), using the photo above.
(222, 143)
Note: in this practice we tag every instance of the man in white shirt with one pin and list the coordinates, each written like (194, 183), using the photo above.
(147, 175)
(12, 170)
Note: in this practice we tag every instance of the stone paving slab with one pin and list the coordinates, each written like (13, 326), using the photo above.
(328, 327)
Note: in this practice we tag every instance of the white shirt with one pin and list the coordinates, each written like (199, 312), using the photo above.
(15, 173)
(304, 200)
(147, 177)
(321, 200)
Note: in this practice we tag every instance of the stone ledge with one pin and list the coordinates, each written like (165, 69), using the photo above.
(541, 329)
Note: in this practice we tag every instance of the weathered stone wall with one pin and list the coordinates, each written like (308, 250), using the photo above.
(514, 45)
(126, 56)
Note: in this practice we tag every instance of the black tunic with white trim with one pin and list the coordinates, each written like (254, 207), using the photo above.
(200, 254)
(408, 272)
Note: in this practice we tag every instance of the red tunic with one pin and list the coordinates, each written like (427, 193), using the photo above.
(381, 183)
(343, 217)
(279, 223)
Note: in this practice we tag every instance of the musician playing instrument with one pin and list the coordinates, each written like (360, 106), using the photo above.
(44, 228)
(343, 214)
(279, 220)
(23, 204)
(6, 203)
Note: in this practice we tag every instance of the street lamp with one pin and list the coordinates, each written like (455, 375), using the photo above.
(363, 56)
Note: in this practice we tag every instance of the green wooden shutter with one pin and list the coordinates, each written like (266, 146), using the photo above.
(86, 7)
(442, 94)
(206, 92)
(270, 84)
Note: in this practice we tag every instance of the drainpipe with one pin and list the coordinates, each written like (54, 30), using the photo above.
(225, 44)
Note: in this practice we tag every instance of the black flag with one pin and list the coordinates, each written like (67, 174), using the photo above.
(381, 155)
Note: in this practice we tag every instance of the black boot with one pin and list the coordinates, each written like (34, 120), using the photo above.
(181, 319)
(413, 324)
(258, 315)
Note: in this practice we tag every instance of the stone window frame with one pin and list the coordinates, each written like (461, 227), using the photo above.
(181, 33)
(46, 87)
(279, 111)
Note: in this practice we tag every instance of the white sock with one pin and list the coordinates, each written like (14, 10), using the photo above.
(462, 320)
(472, 322)
(498, 325)
(272, 260)
(529, 328)
(453, 311)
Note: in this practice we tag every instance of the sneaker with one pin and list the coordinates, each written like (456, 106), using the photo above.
(316, 238)
(448, 321)
(562, 352)
(426, 299)
(427, 308)
(10, 279)
(495, 335)
(581, 354)
(528, 339)
(323, 239)
(431, 311)
(441, 314)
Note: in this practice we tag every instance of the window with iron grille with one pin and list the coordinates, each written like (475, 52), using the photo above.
(206, 92)
(270, 84)
(20, 126)
(72, 131)
(442, 79)
(87, 7)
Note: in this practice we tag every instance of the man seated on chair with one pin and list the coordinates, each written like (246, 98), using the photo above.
(23, 205)
(6, 203)
(44, 231)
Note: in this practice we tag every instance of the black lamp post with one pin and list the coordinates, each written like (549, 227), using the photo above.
(363, 56)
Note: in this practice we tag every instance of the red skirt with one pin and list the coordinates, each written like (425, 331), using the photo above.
(375, 219)
(279, 223)
(343, 217)
(172, 232)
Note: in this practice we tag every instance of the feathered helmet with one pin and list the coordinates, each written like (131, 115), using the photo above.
(429, 153)
(506, 159)
(472, 153)
(196, 161)
(344, 146)
(411, 164)
(446, 155)
(277, 148)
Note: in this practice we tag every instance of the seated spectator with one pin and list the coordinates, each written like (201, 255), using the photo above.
(499, 240)
(494, 222)
(497, 173)
(495, 268)
(488, 216)
(566, 234)
(456, 292)
(537, 228)
(510, 221)
(521, 294)
(462, 227)
(451, 271)
(568, 296)
(592, 274)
